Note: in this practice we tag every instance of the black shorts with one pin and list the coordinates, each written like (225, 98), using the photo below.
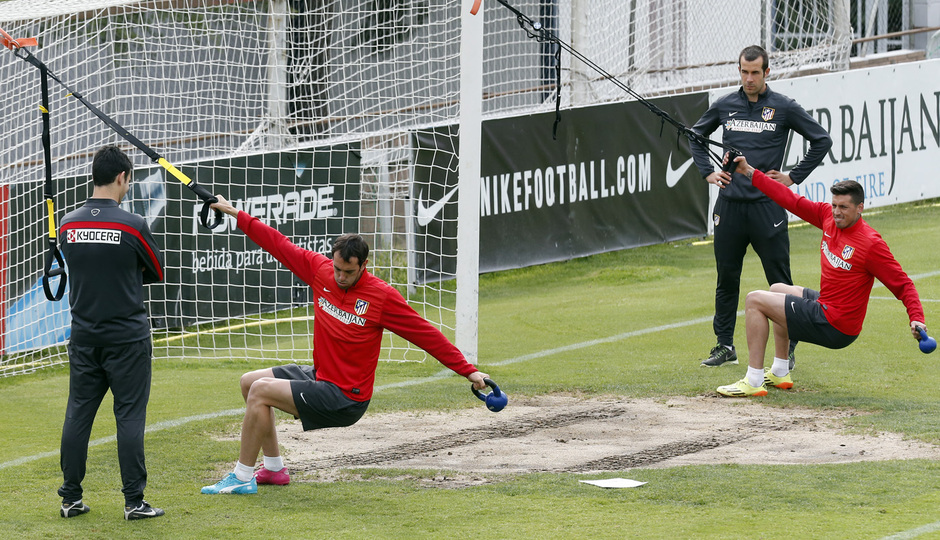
(806, 321)
(321, 404)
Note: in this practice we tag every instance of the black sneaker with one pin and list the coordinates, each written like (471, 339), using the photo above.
(72, 509)
(141, 511)
(720, 355)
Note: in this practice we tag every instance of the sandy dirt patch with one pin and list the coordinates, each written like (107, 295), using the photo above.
(566, 434)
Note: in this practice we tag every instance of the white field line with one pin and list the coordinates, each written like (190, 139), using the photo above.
(159, 426)
(922, 300)
(914, 533)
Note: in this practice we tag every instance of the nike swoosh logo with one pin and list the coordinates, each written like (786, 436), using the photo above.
(426, 214)
(792, 307)
(325, 290)
(778, 224)
(674, 175)
(827, 235)
(732, 113)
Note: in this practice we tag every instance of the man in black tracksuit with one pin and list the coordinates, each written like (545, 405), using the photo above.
(757, 121)
(111, 254)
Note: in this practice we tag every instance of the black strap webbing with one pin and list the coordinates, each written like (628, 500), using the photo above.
(52, 249)
(535, 30)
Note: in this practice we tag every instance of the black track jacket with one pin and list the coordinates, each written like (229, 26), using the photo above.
(760, 130)
(111, 254)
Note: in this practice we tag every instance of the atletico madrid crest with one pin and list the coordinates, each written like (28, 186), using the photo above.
(361, 307)
(847, 252)
(767, 114)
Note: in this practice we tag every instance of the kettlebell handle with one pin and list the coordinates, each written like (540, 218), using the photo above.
(491, 384)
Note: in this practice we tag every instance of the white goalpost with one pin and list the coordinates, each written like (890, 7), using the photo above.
(322, 117)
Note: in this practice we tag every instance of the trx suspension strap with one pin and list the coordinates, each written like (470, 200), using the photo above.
(19, 50)
(52, 251)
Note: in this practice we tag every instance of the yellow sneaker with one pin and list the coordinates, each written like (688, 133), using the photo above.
(784, 382)
(742, 389)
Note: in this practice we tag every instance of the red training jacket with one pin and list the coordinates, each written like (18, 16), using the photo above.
(850, 258)
(347, 325)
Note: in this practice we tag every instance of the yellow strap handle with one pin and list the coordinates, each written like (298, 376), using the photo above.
(50, 205)
(175, 172)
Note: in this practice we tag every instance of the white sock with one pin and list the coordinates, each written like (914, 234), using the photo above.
(273, 464)
(755, 377)
(243, 472)
(781, 367)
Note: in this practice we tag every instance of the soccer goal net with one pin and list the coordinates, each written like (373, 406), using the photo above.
(307, 114)
(656, 47)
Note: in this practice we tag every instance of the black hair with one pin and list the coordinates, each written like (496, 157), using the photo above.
(851, 188)
(351, 245)
(109, 162)
(753, 53)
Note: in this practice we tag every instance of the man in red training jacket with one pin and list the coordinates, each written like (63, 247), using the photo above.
(352, 308)
(852, 255)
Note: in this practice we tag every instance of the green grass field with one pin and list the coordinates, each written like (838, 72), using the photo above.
(522, 314)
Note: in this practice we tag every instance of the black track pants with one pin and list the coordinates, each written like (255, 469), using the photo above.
(761, 224)
(126, 370)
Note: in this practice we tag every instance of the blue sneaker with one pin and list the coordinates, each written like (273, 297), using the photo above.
(232, 485)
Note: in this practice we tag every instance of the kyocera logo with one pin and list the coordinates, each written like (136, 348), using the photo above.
(93, 236)
(278, 208)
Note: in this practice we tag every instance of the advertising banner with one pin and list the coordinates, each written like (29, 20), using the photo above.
(311, 196)
(611, 180)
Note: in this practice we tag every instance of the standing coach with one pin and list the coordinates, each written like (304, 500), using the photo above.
(111, 254)
(757, 121)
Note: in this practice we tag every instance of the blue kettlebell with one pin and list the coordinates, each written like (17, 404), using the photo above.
(495, 401)
(926, 343)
